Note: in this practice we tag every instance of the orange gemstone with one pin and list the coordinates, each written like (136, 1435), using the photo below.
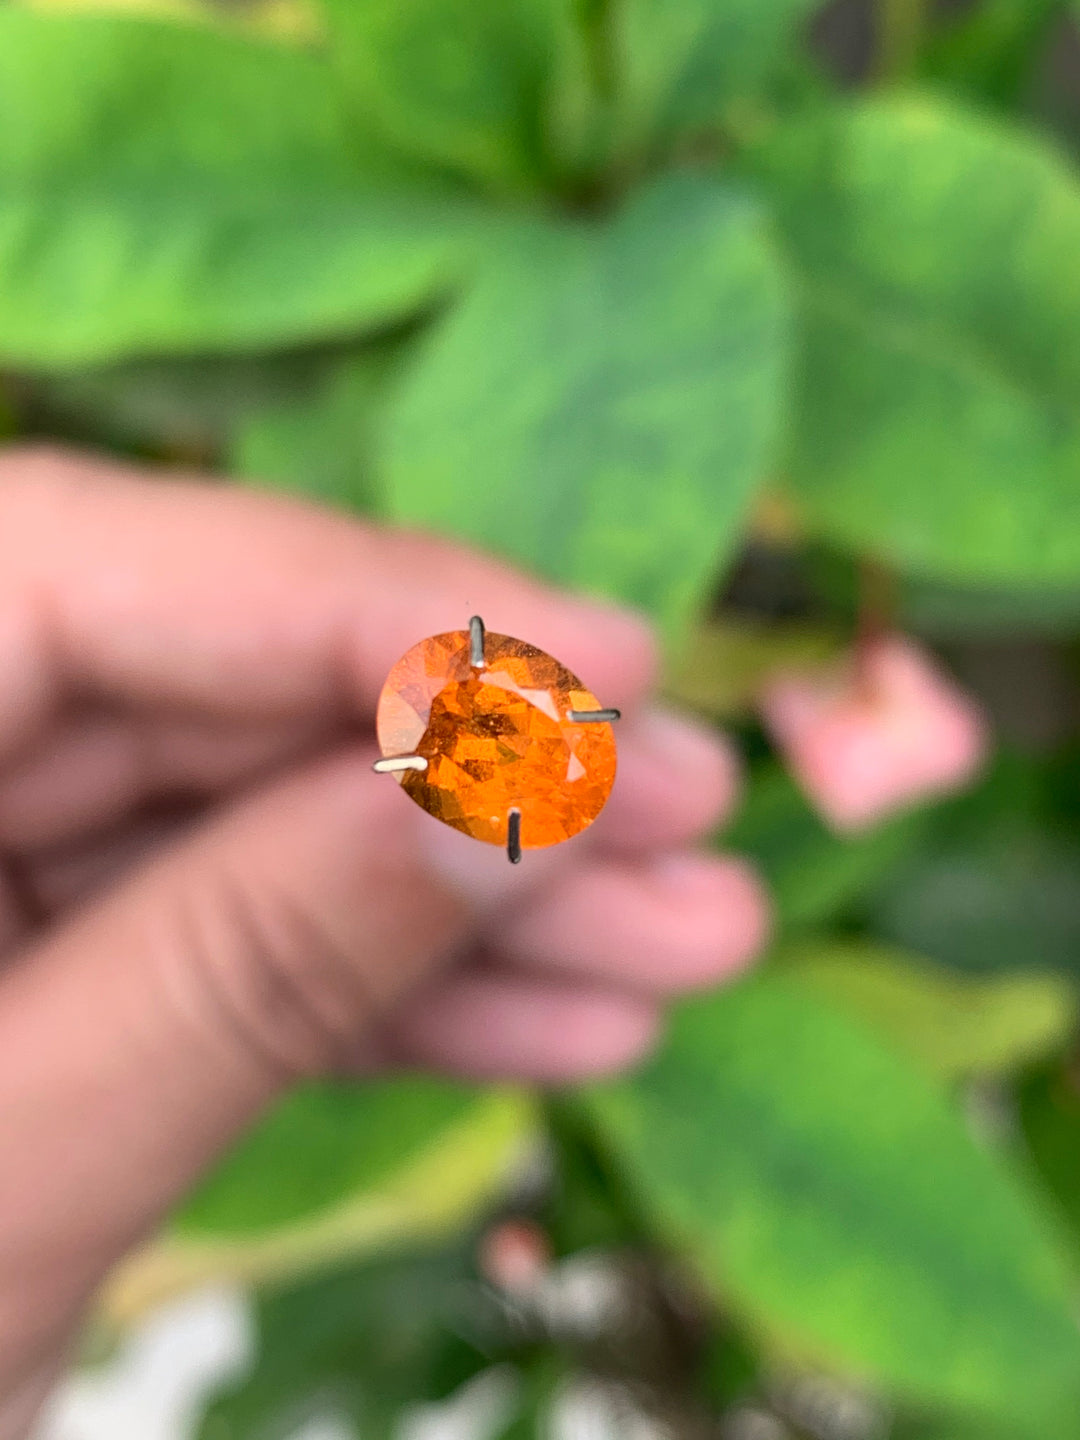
(495, 738)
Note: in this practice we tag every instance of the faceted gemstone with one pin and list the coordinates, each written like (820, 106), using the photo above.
(495, 738)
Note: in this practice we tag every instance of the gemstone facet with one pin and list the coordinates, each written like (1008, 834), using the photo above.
(496, 738)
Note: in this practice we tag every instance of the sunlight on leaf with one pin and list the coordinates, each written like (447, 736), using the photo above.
(604, 401)
(955, 1026)
(938, 423)
(430, 1195)
(826, 1188)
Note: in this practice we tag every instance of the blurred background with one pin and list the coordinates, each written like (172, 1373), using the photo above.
(762, 316)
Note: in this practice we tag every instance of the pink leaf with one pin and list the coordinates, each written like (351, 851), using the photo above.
(871, 738)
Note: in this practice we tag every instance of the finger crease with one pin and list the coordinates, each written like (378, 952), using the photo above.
(21, 907)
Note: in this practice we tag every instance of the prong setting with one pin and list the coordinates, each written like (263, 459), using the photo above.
(476, 642)
(513, 836)
(392, 764)
(593, 717)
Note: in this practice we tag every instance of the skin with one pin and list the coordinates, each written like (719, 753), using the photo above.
(206, 894)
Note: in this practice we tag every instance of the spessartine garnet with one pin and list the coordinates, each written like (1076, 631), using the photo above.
(496, 737)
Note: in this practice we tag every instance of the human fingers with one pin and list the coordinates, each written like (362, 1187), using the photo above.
(238, 604)
(493, 1024)
(14, 916)
(70, 873)
(678, 779)
(75, 810)
(674, 922)
(94, 768)
(263, 945)
(139, 1038)
(572, 980)
(577, 966)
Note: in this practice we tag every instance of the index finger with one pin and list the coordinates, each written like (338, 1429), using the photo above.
(181, 593)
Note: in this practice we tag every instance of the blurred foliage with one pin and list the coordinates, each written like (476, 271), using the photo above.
(333, 1171)
(934, 422)
(814, 875)
(322, 1142)
(702, 305)
(620, 339)
(721, 668)
(934, 1276)
(362, 1343)
(956, 1026)
(994, 887)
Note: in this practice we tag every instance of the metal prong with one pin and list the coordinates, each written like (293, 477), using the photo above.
(579, 717)
(513, 836)
(393, 763)
(476, 643)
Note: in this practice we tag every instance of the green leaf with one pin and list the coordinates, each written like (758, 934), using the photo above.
(584, 1210)
(814, 874)
(953, 611)
(463, 83)
(578, 109)
(954, 1026)
(828, 1191)
(939, 1427)
(723, 667)
(543, 1384)
(8, 420)
(682, 64)
(362, 1342)
(991, 50)
(183, 406)
(938, 415)
(601, 404)
(1011, 901)
(321, 1143)
(321, 442)
(335, 1171)
(178, 188)
(997, 885)
(940, 609)
(1049, 1105)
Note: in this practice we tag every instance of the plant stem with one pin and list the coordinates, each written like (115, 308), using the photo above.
(876, 615)
(901, 25)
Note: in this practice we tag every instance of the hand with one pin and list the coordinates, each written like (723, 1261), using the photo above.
(207, 893)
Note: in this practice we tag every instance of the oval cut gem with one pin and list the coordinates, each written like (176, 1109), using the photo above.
(495, 738)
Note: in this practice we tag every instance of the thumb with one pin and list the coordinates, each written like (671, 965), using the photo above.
(141, 1038)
